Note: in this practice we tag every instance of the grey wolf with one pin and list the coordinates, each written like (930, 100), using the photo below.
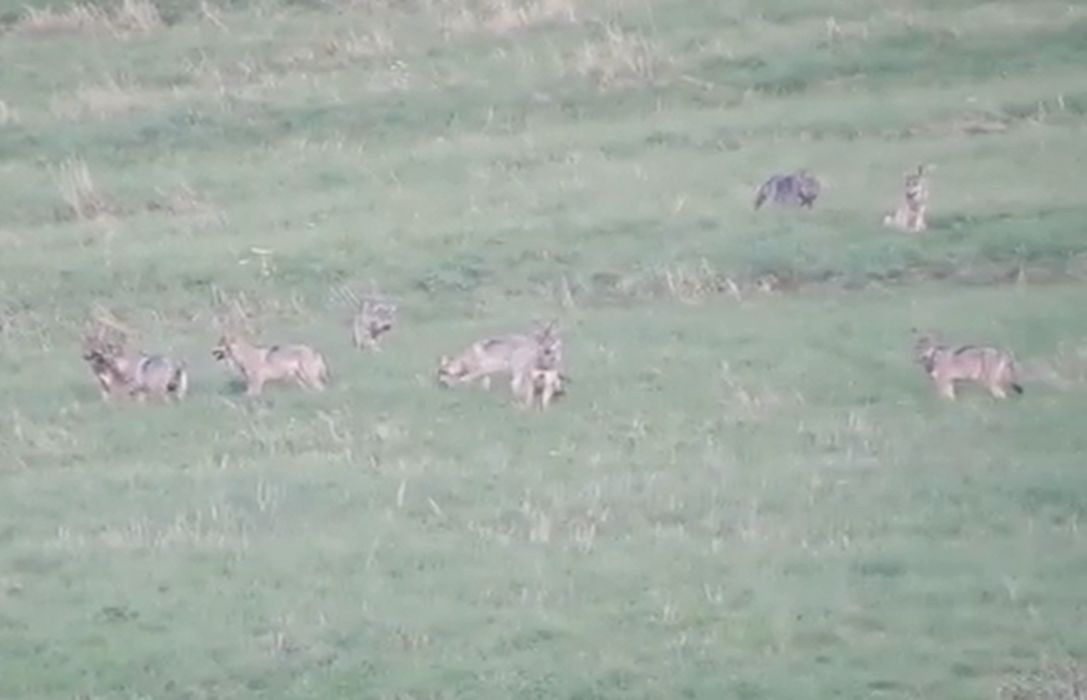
(992, 368)
(373, 319)
(910, 214)
(518, 354)
(258, 365)
(797, 188)
(136, 374)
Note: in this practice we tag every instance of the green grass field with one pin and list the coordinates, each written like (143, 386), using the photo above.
(745, 494)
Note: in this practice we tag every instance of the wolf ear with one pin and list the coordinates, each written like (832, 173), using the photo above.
(547, 329)
(92, 340)
(926, 339)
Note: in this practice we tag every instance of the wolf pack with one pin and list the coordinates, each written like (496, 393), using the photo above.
(532, 359)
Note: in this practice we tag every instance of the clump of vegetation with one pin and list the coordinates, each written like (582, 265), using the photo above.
(76, 187)
(1058, 682)
(126, 18)
(619, 58)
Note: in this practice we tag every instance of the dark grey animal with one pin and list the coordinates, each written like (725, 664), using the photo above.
(137, 374)
(796, 188)
(374, 319)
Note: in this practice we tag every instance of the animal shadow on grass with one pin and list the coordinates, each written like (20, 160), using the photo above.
(233, 387)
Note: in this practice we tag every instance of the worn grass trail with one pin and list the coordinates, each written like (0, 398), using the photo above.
(745, 494)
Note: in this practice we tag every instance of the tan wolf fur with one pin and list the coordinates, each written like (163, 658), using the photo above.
(544, 386)
(992, 368)
(258, 365)
(541, 373)
(135, 374)
(516, 353)
(374, 319)
(910, 214)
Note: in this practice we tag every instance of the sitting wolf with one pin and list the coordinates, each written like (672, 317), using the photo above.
(910, 214)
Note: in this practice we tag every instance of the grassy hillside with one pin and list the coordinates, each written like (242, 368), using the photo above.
(747, 493)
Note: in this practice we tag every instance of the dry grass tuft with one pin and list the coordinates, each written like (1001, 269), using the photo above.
(183, 200)
(1066, 370)
(692, 285)
(76, 19)
(753, 401)
(507, 15)
(619, 59)
(212, 13)
(129, 18)
(504, 16)
(1065, 682)
(8, 117)
(215, 528)
(77, 189)
(687, 283)
(353, 45)
(103, 101)
(341, 49)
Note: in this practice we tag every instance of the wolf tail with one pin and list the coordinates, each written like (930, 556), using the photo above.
(179, 383)
(762, 194)
(1015, 378)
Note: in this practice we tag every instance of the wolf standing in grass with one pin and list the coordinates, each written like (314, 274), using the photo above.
(544, 386)
(518, 354)
(538, 375)
(259, 365)
(135, 373)
(798, 188)
(989, 367)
